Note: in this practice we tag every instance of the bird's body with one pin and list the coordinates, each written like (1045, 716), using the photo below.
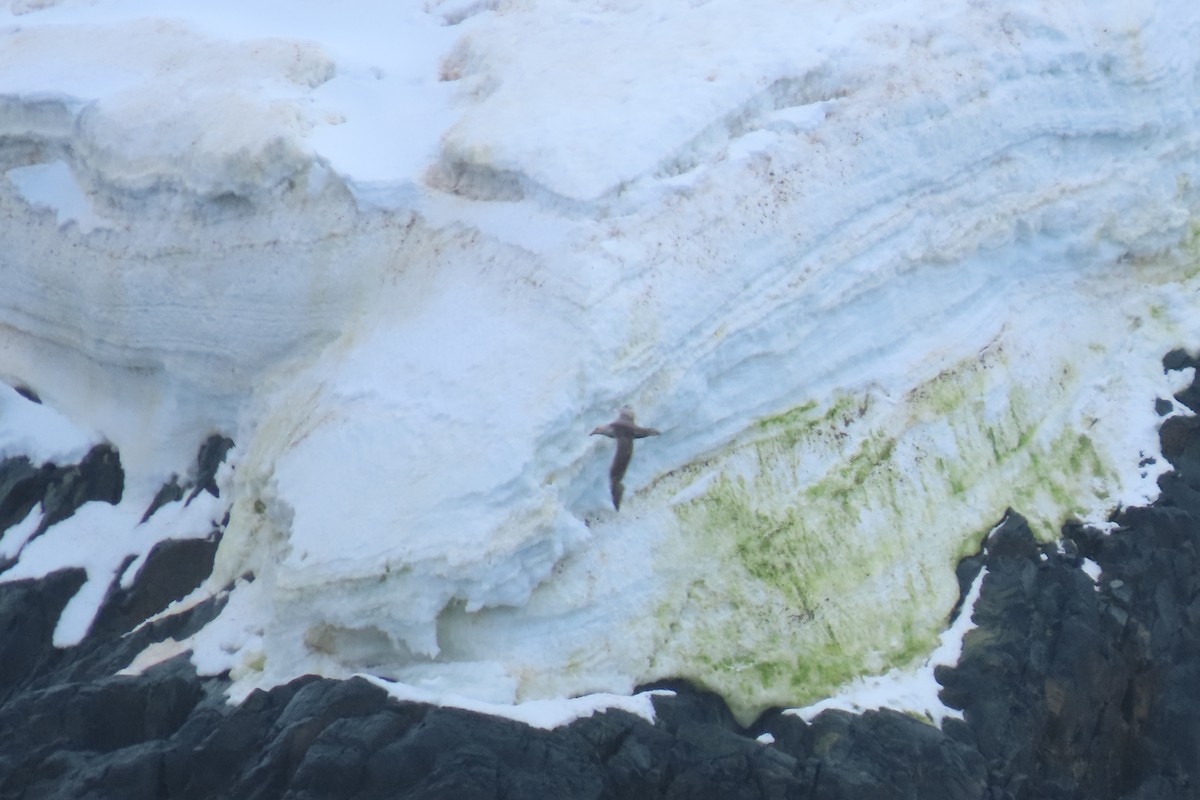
(624, 430)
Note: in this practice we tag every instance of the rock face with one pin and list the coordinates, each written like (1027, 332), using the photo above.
(1070, 687)
(59, 490)
(1078, 689)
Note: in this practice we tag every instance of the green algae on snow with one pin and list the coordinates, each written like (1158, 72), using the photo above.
(834, 533)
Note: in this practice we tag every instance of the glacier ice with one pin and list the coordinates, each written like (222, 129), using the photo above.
(876, 270)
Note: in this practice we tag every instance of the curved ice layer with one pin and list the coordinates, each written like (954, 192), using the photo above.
(876, 270)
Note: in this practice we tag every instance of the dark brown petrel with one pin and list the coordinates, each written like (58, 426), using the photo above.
(624, 430)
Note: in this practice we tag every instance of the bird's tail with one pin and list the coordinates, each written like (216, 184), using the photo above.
(618, 490)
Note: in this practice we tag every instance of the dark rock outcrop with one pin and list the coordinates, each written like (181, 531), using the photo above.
(22, 486)
(212, 455)
(98, 477)
(173, 568)
(203, 476)
(1069, 687)
(1080, 689)
(29, 610)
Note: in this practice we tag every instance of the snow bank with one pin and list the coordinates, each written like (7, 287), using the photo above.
(876, 270)
(546, 714)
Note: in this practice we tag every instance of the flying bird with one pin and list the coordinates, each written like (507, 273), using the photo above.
(624, 430)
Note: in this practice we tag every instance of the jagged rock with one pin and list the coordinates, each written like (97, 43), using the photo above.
(1078, 690)
(1190, 395)
(169, 492)
(1069, 688)
(1044, 638)
(98, 477)
(704, 753)
(212, 454)
(29, 612)
(173, 568)
(59, 490)
(880, 754)
(28, 393)
(102, 738)
(105, 651)
(108, 714)
(1181, 440)
(1178, 359)
(1012, 539)
(22, 487)
(210, 457)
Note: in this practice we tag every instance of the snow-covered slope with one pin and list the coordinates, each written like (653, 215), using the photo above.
(876, 270)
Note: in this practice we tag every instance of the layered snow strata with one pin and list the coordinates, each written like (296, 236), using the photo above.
(178, 238)
(877, 272)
